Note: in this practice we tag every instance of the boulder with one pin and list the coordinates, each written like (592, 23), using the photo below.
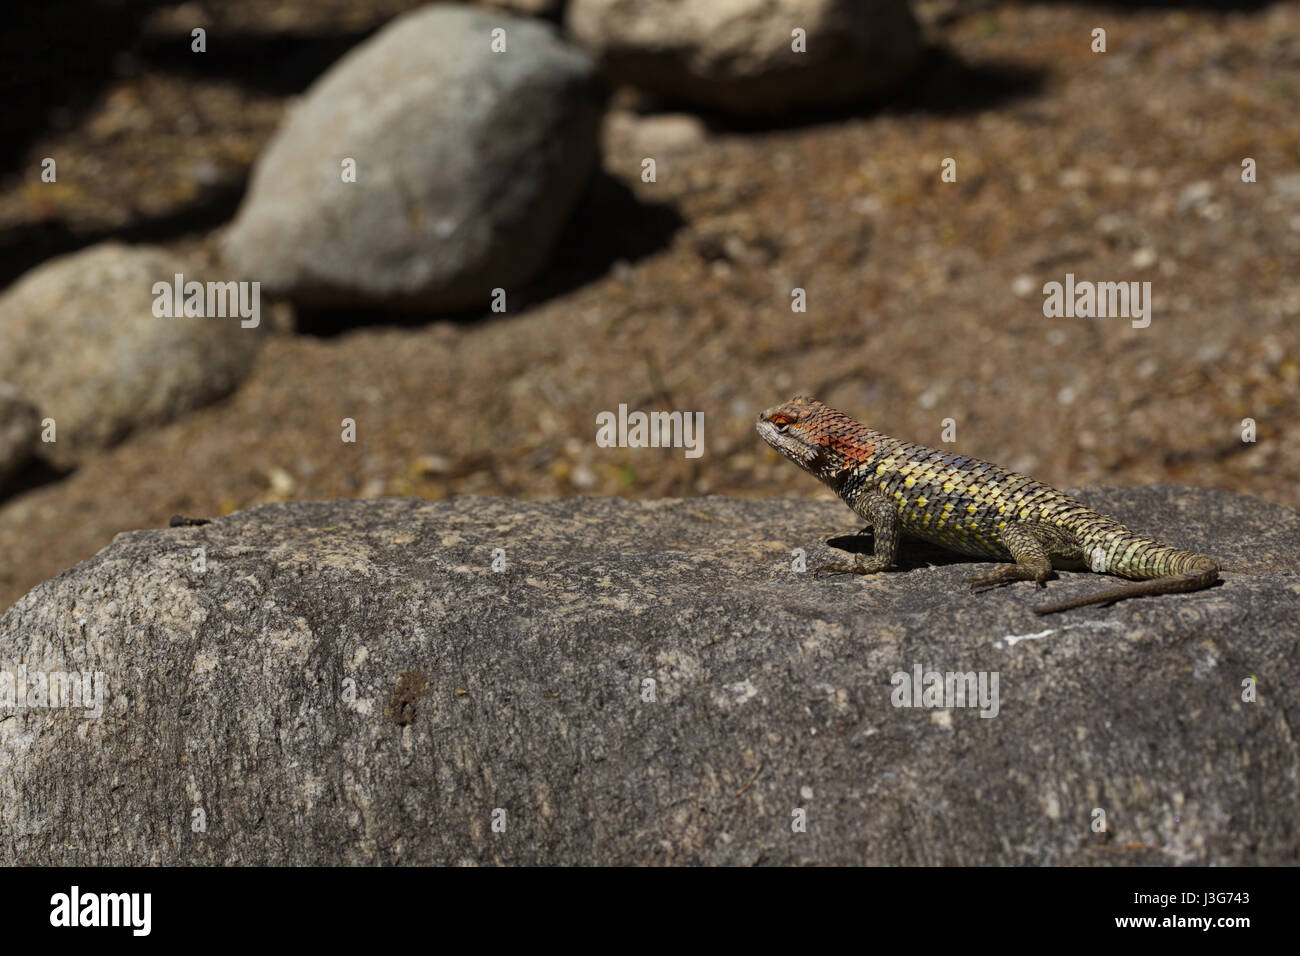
(468, 163)
(741, 56)
(352, 682)
(80, 337)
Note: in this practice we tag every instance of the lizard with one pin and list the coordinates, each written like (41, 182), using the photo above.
(972, 507)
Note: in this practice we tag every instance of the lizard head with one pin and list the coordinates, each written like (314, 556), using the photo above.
(819, 439)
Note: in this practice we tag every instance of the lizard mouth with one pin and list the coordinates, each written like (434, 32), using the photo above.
(785, 441)
(767, 431)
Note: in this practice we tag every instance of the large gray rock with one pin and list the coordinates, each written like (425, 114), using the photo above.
(738, 55)
(20, 429)
(349, 682)
(79, 337)
(468, 164)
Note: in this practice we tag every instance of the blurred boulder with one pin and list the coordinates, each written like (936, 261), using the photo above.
(80, 337)
(468, 163)
(740, 56)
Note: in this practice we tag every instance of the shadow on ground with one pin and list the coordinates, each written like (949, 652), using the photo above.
(280, 64)
(35, 474)
(943, 83)
(913, 553)
(28, 245)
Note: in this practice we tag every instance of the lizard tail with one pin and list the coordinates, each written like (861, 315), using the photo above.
(1173, 584)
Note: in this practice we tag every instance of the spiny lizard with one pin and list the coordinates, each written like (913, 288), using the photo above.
(972, 507)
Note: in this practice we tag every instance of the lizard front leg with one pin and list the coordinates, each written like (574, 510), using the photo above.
(882, 519)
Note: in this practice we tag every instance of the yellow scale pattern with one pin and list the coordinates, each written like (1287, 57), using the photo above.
(958, 502)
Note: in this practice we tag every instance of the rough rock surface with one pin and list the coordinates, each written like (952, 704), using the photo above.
(738, 55)
(20, 429)
(351, 682)
(79, 336)
(468, 164)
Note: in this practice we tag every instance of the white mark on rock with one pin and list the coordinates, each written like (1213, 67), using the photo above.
(743, 690)
(1011, 640)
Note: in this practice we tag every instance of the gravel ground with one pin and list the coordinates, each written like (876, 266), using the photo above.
(924, 297)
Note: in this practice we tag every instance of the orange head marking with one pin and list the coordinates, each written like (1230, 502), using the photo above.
(819, 439)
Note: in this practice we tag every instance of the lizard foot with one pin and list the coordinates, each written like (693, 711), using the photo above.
(861, 566)
(1006, 574)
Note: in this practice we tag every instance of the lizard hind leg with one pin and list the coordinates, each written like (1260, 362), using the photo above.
(1006, 573)
(1032, 548)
